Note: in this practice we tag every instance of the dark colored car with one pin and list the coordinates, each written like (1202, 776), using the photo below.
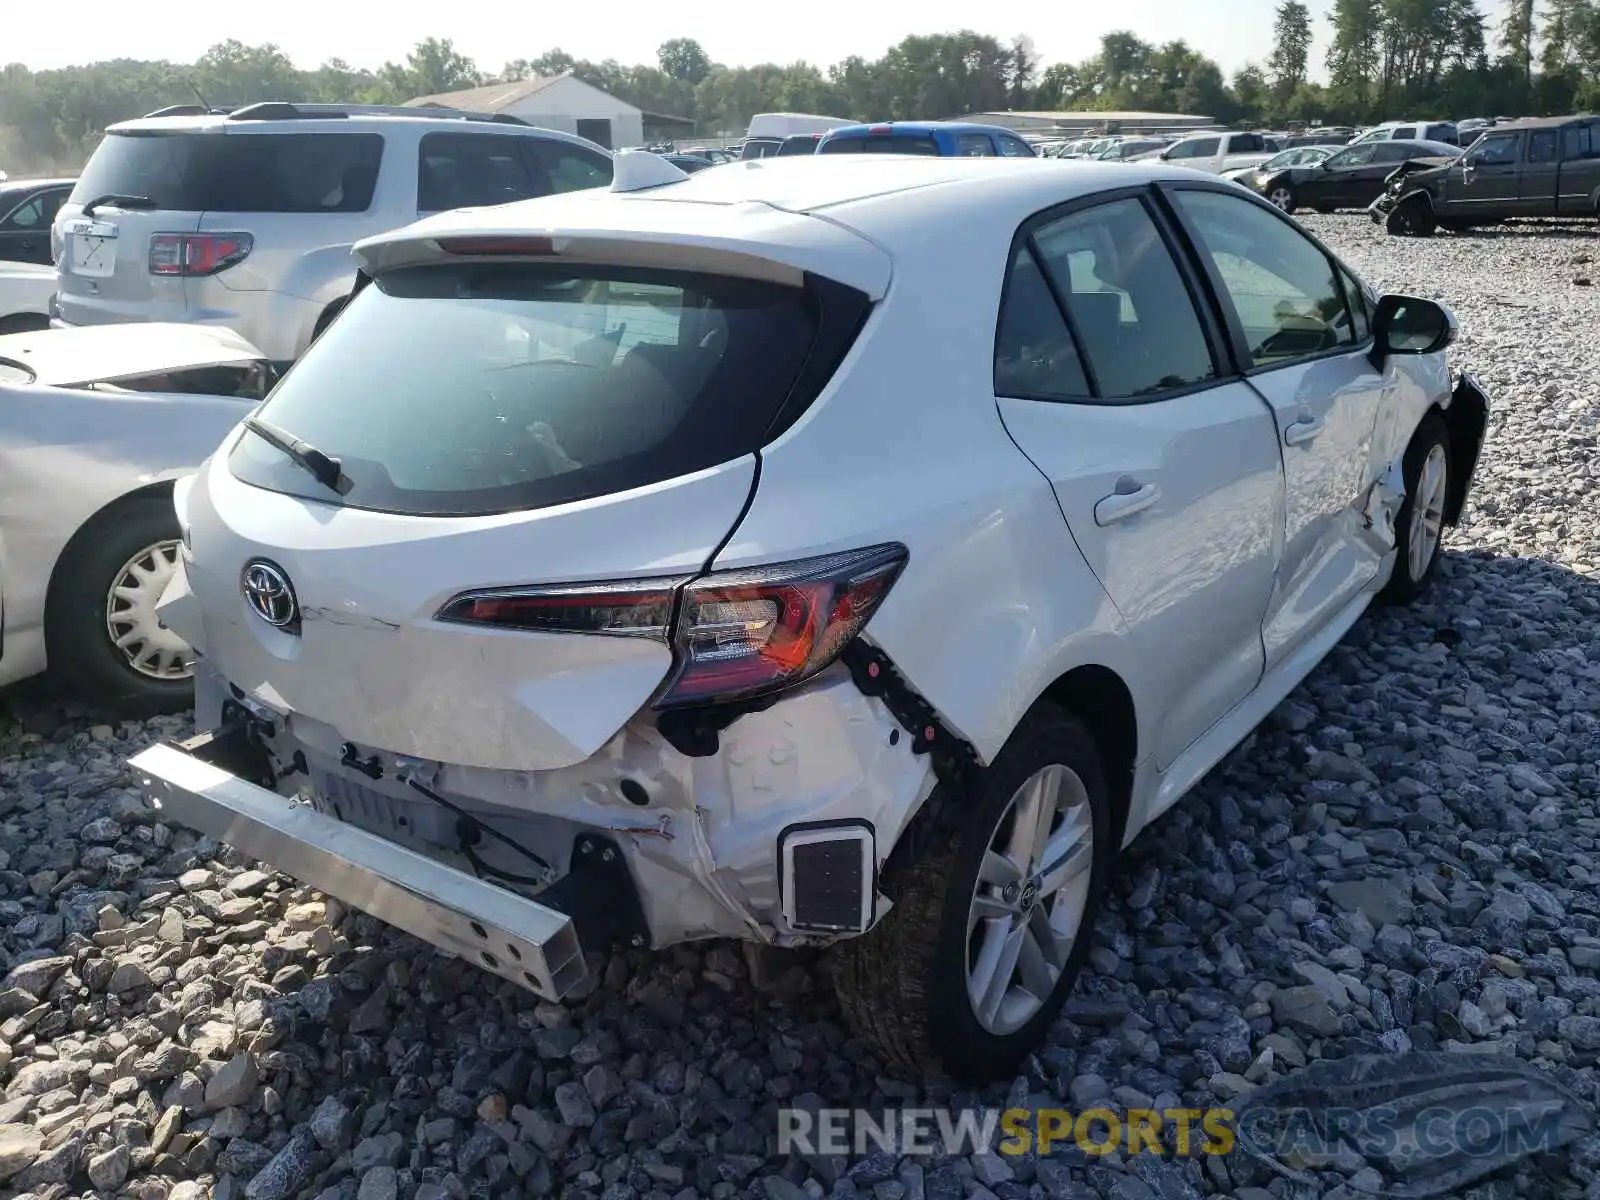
(935, 139)
(798, 143)
(689, 163)
(1547, 167)
(27, 208)
(1351, 178)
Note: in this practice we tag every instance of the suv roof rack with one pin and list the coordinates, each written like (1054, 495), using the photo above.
(188, 110)
(281, 110)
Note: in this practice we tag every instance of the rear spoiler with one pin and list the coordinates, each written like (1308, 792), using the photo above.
(750, 240)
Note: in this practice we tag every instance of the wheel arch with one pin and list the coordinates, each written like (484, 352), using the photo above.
(1466, 418)
(1098, 696)
(161, 488)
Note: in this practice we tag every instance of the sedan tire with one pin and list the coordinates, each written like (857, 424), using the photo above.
(1419, 525)
(1281, 196)
(101, 632)
(992, 919)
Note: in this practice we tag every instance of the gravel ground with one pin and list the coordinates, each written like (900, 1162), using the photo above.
(1404, 856)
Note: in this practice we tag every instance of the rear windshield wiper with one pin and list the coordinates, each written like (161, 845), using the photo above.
(324, 468)
(118, 199)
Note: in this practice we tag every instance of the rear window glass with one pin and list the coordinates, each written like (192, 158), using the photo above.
(236, 172)
(881, 144)
(489, 387)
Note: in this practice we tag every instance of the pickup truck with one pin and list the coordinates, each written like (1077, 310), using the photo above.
(1548, 167)
(1217, 152)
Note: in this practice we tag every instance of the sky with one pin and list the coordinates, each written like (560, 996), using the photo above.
(735, 33)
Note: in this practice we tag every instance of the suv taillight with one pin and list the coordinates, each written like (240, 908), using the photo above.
(734, 634)
(193, 254)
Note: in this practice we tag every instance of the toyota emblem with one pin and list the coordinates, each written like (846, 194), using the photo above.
(269, 593)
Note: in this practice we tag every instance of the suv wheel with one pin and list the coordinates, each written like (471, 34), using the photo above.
(991, 926)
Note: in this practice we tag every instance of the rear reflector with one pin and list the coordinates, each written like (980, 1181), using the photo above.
(188, 255)
(734, 635)
(828, 877)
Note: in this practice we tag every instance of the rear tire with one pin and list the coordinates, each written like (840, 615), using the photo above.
(907, 986)
(1419, 525)
(109, 579)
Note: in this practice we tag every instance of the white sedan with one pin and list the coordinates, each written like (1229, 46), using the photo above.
(25, 293)
(852, 550)
(95, 426)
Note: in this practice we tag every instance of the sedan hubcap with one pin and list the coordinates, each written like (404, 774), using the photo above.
(146, 645)
(1427, 513)
(1280, 198)
(1032, 888)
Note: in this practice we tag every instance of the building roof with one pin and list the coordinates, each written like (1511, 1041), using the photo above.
(491, 98)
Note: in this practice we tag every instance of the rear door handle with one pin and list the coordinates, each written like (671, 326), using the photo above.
(1302, 431)
(1121, 505)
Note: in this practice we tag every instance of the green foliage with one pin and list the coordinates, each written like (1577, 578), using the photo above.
(1388, 58)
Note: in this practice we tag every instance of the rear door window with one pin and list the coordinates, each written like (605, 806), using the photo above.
(471, 170)
(1126, 301)
(1576, 143)
(882, 144)
(237, 172)
(504, 386)
(1542, 146)
(1015, 147)
(974, 145)
(563, 167)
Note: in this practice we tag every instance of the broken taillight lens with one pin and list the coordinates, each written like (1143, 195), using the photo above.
(745, 634)
(734, 634)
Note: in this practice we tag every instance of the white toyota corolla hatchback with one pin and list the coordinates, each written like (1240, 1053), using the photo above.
(853, 550)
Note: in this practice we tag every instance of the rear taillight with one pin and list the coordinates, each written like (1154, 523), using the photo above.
(734, 634)
(192, 254)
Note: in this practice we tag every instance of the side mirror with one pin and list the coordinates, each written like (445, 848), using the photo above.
(1410, 325)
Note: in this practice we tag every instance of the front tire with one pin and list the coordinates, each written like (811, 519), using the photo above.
(1419, 525)
(990, 926)
(102, 637)
(1282, 198)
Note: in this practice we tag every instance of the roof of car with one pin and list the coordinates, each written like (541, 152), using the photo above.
(762, 210)
(1539, 123)
(33, 185)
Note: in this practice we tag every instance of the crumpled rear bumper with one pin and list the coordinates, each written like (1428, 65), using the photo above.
(496, 929)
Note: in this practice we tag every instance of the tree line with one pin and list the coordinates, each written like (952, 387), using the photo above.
(1388, 58)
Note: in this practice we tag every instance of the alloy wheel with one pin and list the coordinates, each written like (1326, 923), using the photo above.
(1427, 512)
(1281, 198)
(147, 646)
(1029, 901)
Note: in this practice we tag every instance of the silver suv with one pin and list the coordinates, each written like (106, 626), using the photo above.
(245, 219)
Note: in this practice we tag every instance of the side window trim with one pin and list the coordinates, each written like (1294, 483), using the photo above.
(1215, 331)
(1239, 344)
